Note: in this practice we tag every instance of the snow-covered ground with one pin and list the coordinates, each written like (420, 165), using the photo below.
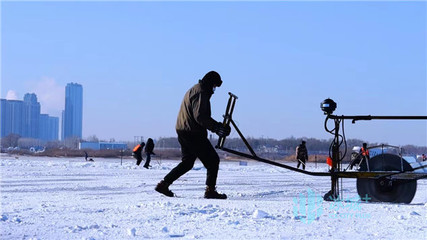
(68, 198)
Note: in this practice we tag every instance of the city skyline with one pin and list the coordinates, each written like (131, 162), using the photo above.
(136, 60)
(23, 117)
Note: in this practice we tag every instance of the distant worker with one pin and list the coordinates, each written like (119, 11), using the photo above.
(424, 157)
(137, 152)
(301, 154)
(149, 147)
(86, 157)
(364, 152)
(194, 119)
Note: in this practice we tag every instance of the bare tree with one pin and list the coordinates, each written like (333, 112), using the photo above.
(10, 140)
(27, 143)
(53, 144)
(72, 142)
(93, 138)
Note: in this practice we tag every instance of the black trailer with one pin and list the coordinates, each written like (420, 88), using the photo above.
(385, 178)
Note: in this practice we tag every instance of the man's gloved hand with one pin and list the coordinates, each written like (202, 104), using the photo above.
(223, 131)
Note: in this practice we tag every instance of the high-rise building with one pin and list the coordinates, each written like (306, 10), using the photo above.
(73, 113)
(62, 124)
(24, 119)
(31, 116)
(12, 117)
(49, 128)
(3, 105)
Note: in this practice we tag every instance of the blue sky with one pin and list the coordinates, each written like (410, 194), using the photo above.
(136, 60)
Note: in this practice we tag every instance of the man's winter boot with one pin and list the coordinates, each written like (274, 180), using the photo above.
(211, 193)
(163, 188)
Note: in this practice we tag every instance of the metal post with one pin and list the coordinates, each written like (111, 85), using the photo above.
(335, 160)
(138, 139)
(334, 192)
(121, 157)
(367, 163)
(315, 161)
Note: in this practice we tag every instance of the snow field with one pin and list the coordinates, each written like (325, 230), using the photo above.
(68, 198)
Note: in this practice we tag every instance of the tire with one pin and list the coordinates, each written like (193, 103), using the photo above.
(384, 189)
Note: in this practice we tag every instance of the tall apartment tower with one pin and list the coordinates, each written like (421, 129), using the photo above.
(48, 128)
(73, 113)
(12, 117)
(31, 116)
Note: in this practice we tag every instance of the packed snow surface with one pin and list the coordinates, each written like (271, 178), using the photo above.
(68, 198)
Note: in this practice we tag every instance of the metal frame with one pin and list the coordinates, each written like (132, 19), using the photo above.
(336, 172)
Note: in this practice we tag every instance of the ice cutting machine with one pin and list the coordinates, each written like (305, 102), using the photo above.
(385, 178)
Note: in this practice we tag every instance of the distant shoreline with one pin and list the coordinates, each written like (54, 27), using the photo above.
(160, 154)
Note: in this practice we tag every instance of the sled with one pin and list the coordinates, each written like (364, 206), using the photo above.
(390, 177)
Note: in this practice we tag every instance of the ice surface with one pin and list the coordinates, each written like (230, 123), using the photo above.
(68, 198)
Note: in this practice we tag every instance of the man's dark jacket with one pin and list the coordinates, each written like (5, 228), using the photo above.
(149, 147)
(195, 113)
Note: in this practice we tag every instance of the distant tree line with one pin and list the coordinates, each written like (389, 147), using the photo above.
(287, 146)
(265, 147)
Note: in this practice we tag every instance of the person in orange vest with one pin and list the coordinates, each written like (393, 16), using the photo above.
(364, 151)
(137, 153)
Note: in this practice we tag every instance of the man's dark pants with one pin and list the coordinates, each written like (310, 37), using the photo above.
(193, 146)
(138, 158)
(147, 160)
(303, 163)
